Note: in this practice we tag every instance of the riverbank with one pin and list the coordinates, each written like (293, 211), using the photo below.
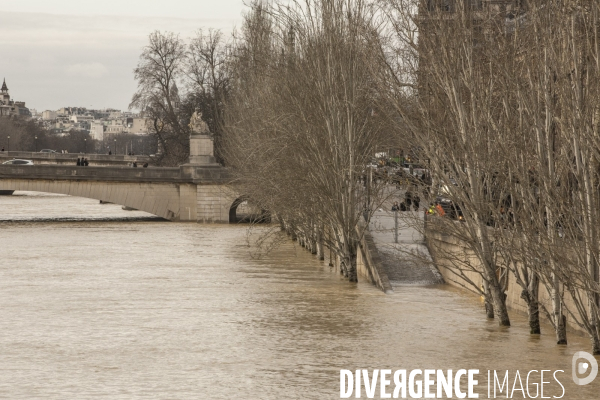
(442, 245)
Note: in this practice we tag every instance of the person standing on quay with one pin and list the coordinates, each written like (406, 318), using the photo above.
(440, 210)
(416, 201)
(78, 162)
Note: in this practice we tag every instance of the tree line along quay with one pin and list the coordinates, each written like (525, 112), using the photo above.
(498, 100)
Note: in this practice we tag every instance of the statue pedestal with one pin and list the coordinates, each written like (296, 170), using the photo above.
(202, 150)
(202, 165)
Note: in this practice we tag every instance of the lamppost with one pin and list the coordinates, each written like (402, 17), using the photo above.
(8, 147)
(36, 144)
(84, 145)
(115, 147)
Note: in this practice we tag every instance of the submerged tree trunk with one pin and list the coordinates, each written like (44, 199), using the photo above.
(344, 269)
(497, 294)
(350, 261)
(493, 284)
(499, 299)
(531, 295)
(595, 337)
(320, 250)
(488, 302)
(352, 273)
(560, 320)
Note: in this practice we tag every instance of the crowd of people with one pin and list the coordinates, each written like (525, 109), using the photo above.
(410, 200)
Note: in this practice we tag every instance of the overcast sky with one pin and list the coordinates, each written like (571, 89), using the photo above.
(56, 53)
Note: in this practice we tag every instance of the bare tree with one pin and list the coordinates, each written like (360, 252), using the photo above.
(302, 127)
(160, 67)
(506, 104)
(208, 74)
(578, 95)
(457, 117)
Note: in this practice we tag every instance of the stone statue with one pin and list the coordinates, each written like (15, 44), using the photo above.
(197, 125)
(201, 143)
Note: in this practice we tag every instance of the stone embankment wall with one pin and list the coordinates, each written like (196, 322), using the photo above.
(368, 261)
(444, 248)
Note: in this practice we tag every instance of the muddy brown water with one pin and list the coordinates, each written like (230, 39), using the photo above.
(98, 302)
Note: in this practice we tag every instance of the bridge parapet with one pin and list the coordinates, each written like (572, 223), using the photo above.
(183, 174)
(71, 158)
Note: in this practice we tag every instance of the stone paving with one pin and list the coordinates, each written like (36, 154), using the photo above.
(407, 262)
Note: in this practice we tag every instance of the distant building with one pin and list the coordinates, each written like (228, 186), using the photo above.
(99, 123)
(82, 118)
(114, 126)
(139, 126)
(97, 130)
(49, 115)
(9, 107)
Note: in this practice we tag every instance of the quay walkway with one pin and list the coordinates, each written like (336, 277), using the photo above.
(408, 261)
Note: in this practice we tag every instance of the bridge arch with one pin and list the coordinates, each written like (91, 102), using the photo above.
(251, 212)
(233, 209)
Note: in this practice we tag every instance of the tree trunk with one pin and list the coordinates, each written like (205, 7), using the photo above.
(561, 330)
(595, 338)
(313, 245)
(320, 250)
(533, 309)
(351, 265)
(530, 295)
(499, 299)
(595, 329)
(281, 223)
(560, 321)
(497, 295)
(344, 269)
(488, 302)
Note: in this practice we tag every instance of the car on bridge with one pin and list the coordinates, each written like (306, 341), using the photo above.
(18, 162)
(47, 151)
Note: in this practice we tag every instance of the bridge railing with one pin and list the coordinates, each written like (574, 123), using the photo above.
(66, 158)
(57, 172)
(183, 174)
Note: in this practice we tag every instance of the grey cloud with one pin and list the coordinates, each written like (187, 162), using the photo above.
(93, 70)
(51, 61)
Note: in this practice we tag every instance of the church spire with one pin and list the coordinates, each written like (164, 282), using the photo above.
(4, 87)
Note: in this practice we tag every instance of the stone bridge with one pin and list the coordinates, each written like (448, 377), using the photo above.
(196, 193)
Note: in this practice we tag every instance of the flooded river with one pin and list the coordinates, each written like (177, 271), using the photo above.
(98, 302)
